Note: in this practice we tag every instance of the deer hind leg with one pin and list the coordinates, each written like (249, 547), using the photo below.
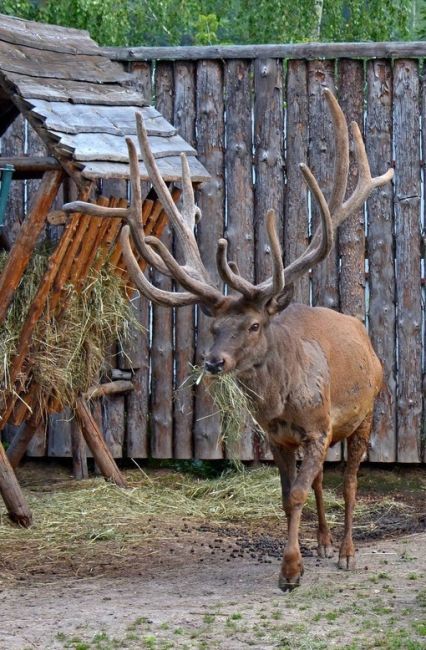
(357, 446)
(325, 542)
(292, 565)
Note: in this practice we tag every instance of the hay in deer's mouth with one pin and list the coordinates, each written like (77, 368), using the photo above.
(233, 402)
(69, 345)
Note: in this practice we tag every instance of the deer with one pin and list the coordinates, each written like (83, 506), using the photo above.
(312, 373)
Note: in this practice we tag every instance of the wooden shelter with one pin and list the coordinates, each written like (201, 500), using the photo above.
(82, 105)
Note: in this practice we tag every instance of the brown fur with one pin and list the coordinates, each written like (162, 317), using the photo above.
(313, 376)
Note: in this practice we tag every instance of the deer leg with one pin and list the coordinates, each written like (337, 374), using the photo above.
(285, 459)
(357, 446)
(325, 548)
(292, 565)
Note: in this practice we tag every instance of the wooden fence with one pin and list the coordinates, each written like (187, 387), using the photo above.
(253, 115)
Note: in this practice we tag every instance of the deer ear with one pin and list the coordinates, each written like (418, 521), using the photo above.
(280, 302)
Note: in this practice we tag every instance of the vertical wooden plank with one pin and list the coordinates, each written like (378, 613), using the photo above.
(351, 233)
(268, 140)
(423, 109)
(183, 403)
(162, 317)
(296, 226)
(406, 130)
(137, 401)
(12, 144)
(325, 290)
(113, 423)
(59, 438)
(269, 171)
(210, 146)
(380, 240)
(239, 189)
(321, 161)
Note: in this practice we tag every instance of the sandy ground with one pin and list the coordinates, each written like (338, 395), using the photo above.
(199, 598)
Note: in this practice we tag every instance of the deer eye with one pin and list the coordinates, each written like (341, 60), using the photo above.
(254, 327)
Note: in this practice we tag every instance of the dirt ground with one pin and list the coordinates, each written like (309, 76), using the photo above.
(195, 582)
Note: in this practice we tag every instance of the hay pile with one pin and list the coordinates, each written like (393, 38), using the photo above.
(233, 402)
(68, 348)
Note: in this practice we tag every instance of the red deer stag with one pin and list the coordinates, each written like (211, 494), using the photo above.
(311, 371)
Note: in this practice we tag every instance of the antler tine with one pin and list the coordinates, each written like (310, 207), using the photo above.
(183, 229)
(341, 161)
(228, 274)
(165, 298)
(134, 218)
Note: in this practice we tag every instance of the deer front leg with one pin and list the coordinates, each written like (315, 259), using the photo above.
(315, 450)
(285, 460)
(357, 446)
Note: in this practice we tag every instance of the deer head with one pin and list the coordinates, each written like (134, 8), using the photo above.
(242, 318)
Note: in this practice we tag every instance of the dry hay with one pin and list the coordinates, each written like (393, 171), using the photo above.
(233, 402)
(67, 351)
(83, 528)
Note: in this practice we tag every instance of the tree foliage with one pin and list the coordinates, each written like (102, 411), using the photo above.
(183, 22)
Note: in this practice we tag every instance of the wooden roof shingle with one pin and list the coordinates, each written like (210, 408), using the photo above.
(80, 102)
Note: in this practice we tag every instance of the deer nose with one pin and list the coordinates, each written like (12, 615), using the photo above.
(214, 366)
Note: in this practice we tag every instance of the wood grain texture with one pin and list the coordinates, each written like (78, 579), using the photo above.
(183, 402)
(162, 317)
(296, 222)
(170, 168)
(137, 402)
(68, 90)
(13, 144)
(351, 244)
(238, 76)
(210, 144)
(46, 64)
(380, 243)
(406, 112)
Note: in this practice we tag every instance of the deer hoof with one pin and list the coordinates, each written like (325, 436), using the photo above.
(325, 550)
(347, 562)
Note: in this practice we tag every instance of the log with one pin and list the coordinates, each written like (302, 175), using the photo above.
(13, 144)
(78, 451)
(239, 192)
(111, 388)
(416, 49)
(351, 243)
(406, 130)
(183, 403)
(269, 172)
(30, 166)
(20, 253)
(211, 198)
(22, 439)
(380, 243)
(97, 445)
(17, 507)
(162, 317)
(296, 222)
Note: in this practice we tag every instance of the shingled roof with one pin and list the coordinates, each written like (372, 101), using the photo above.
(81, 103)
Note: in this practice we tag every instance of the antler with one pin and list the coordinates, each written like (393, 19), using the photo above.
(193, 275)
(332, 214)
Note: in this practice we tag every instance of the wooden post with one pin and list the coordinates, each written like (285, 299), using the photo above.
(78, 451)
(296, 216)
(22, 439)
(406, 130)
(162, 317)
(210, 146)
(20, 253)
(351, 232)
(183, 402)
(96, 444)
(380, 240)
(239, 191)
(11, 492)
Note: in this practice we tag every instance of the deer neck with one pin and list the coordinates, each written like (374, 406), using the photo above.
(270, 382)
